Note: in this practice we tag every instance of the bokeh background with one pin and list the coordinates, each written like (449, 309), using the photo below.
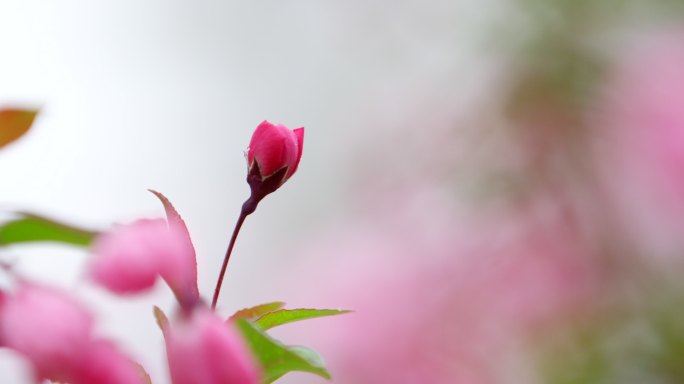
(495, 187)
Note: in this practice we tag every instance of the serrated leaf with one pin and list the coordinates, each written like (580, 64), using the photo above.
(160, 317)
(174, 218)
(284, 316)
(34, 228)
(255, 312)
(14, 123)
(277, 359)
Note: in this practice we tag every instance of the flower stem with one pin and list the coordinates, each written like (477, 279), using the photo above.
(247, 209)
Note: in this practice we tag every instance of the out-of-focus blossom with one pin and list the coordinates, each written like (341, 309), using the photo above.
(203, 349)
(55, 334)
(451, 304)
(2, 305)
(274, 147)
(105, 364)
(129, 258)
(47, 327)
(641, 141)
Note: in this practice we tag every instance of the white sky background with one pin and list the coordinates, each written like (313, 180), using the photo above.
(165, 95)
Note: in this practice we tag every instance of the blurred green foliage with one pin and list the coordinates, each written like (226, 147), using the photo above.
(30, 228)
(624, 344)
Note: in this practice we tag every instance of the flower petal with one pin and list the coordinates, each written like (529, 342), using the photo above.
(204, 349)
(54, 333)
(299, 134)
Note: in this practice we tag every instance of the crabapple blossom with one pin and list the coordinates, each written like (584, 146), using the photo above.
(54, 333)
(129, 258)
(203, 349)
(641, 150)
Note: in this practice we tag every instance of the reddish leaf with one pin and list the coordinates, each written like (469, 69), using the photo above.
(174, 219)
(14, 123)
(162, 320)
(256, 312)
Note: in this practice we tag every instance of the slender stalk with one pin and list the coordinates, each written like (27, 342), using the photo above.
(243, 215)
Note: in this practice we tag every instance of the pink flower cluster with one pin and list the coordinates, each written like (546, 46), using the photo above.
(201, 348)
(454, 313)
(54, 332)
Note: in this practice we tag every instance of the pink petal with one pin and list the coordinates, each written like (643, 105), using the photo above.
(129, 258)
(47, 327)
(2, 305)
(102, 363)
(299, 134)
(55, 334)
(204, 349)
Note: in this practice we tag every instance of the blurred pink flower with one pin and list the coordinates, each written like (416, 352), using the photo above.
(104, 364)
(448, 303)
(641, 142)
(129, 258)
(55, 334)
(274, 147)
(203, 349)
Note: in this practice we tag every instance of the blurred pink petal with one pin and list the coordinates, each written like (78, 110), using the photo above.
(2, 305)
(54, 333)
(642, 143)
(129, 258)
(203, 349)
(441, 301)
(47, 327)
(104, 364)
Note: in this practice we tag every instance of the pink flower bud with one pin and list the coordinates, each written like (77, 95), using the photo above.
(273, 156)
(203, 349)
(55, 334)
(275, 147)
(129, 258)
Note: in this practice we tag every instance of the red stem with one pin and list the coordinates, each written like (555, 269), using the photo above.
(238, 225)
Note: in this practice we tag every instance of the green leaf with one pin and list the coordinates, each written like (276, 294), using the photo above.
(34, 228)
(14, 123)
(255, 312)
(284, 316)
(277, 359)
(311, 356)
